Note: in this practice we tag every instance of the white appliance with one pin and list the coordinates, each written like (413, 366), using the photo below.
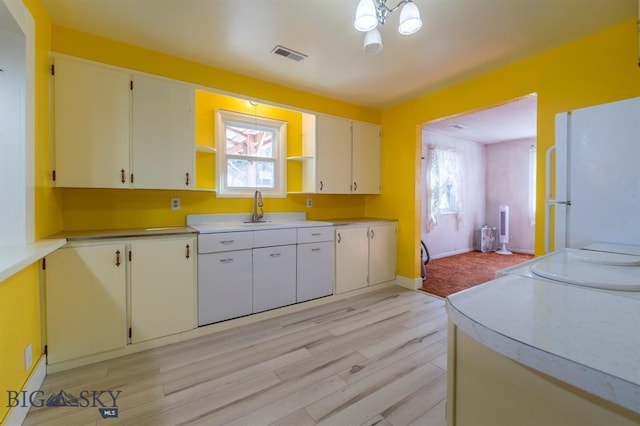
(596, 206)
(597, 192)
(503, 226)
(486, 239)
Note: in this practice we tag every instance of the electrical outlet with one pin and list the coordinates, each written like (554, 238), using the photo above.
(175, 203)
(309, 202)
(28, 357)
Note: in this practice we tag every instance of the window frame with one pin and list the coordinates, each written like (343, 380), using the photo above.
(279, 127)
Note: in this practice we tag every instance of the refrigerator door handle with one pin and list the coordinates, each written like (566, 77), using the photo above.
(550, 202)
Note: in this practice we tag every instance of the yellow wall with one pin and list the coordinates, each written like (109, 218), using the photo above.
(96, 209)
(596, 69)
(20, 322)
(19, 326)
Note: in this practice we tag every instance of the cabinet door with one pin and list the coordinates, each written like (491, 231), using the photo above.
(162, 287)
(91, 112)
(274, 277)
(382, 253)
(86, 301)
(315, 272)
(163, 134)
(333, 155)
(224, 286)
(352, 259)
(366, 159)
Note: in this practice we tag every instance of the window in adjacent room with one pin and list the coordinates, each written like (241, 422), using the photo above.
(251, 154)
(444, 184)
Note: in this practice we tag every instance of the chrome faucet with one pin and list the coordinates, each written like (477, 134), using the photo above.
(257, 204)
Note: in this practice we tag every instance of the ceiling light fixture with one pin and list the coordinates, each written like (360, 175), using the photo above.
(371, 13)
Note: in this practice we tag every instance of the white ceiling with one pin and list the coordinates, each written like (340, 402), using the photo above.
(459, 39)
(509, 122)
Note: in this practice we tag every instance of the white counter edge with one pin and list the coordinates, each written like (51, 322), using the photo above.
(13, 259)
(611, 388)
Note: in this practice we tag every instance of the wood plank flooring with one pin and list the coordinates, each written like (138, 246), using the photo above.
(373, 359)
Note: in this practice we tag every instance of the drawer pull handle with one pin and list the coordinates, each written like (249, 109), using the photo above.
(316, 234)
(227, 260)
(315, 250)
(339, 238)
(225, 242)
(275, 254)
(122, 176)
(187, 178)
(188, 251)
(118, 258)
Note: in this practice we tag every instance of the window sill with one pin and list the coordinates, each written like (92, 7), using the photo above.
(15, 258)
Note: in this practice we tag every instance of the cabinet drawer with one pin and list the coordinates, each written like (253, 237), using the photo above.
(274, 237)
(313, 235)
(224, 241)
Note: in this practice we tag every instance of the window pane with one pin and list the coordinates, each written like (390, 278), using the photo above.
(250, 174)
(249, 141)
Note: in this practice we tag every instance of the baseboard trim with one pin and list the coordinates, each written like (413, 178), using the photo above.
(452, 253)
(410, 283)
(17, 414)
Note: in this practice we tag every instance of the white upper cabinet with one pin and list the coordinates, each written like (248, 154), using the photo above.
(365, 158)
(91, 109)
(333, 155)
(340, 156)
(120, 129)
(163, 133)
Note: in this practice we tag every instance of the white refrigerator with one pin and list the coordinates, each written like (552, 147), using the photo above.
(597, 167)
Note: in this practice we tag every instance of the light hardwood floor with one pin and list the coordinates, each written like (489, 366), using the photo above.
(373, 359)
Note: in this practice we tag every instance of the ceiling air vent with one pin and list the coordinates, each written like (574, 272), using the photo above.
(288, 53)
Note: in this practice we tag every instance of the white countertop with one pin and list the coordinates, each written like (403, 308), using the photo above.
(583, 337)
(15, 258)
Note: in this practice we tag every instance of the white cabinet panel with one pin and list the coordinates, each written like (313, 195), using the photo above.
(163, 133)
(365, 161)
(315, 273)
(224, 286)
(315, 234)
(382, 253)
(162, 287)
(91, 111)
(333, 155)
(86, 301)
(352, 258)
(274, 279)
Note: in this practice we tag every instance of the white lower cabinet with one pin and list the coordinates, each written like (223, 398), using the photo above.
(162, 290)
(274, 277)
(102, 295)
(315, 274)
(224, 285)
(365, 255)
(352, 258)
(86, 303)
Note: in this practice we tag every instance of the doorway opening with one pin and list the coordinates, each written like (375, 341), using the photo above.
(471, 165)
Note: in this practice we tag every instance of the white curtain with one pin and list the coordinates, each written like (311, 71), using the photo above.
(444, 179)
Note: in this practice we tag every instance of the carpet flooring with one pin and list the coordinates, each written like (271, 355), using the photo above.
(451, 274)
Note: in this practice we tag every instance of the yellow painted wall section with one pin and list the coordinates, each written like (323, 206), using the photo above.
(48, 202)
(598, 68)
(19, 325)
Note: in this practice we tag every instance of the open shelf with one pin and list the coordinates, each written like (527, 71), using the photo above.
(204, 148)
